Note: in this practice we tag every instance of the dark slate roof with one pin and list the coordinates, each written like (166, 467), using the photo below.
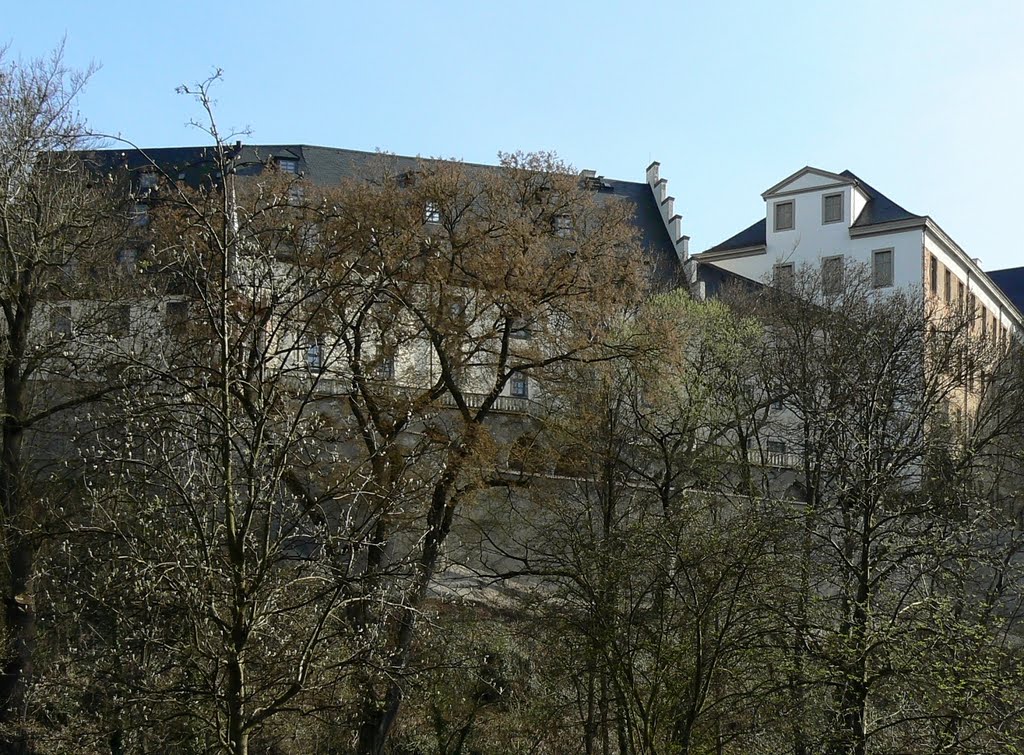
(325, 166)
(1011, 281)
(755, 235)
(879, 208)
(716, 278)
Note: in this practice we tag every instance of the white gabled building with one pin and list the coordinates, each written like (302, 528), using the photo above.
(832, 220)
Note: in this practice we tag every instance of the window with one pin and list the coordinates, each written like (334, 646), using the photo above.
(431, 213)
(126, 258)
(784, 216)
(520, 387)
(832, 275)
(139, 215)
(385, 369)
(783, 276)
(287, 165)
(563, 226)
(148, 181)
(119, 321)
(960, 293)
(881, 268)
(948, 295)
(176, 315)
(520, 330)
(61, 324)
(315, 356)
(971, 306)
(984, 322)
(776, 447)
(933, 273)
(832, 208)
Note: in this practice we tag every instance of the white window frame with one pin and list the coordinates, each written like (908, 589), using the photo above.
(792, 215)
(519, 386)
(287, 165)
(314, 356)
(824, 208)
(432, 213)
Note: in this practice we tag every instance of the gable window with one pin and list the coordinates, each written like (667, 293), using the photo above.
(431, 213)
(784, 216)
(520, 386)
(881, 268)
(783, 276)
(832, 275)
(832, 208)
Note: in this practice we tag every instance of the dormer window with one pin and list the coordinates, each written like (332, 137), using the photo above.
(431, 213)
(287, 165)
(784, 216)
(832, 208)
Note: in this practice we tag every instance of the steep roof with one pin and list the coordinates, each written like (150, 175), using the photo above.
(1011, 281)
(325, 166)
(753, 235)
(716, 279)
(879, 208)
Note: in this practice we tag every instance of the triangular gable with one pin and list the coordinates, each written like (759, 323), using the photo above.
(806, 179)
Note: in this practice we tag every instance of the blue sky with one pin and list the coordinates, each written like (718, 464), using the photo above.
(924, 100)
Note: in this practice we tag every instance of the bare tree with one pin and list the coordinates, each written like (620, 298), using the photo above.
(63, 315)
(885, 407)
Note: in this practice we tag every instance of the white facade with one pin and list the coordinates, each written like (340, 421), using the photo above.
(813, 216)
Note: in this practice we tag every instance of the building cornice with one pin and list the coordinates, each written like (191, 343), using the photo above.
(834, 178)
(894, 226)
(794, 192)
(976, 275)
(710, 255)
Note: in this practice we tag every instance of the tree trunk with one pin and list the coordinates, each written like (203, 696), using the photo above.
(19, 613)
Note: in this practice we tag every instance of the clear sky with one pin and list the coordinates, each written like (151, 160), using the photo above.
(922, 99)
